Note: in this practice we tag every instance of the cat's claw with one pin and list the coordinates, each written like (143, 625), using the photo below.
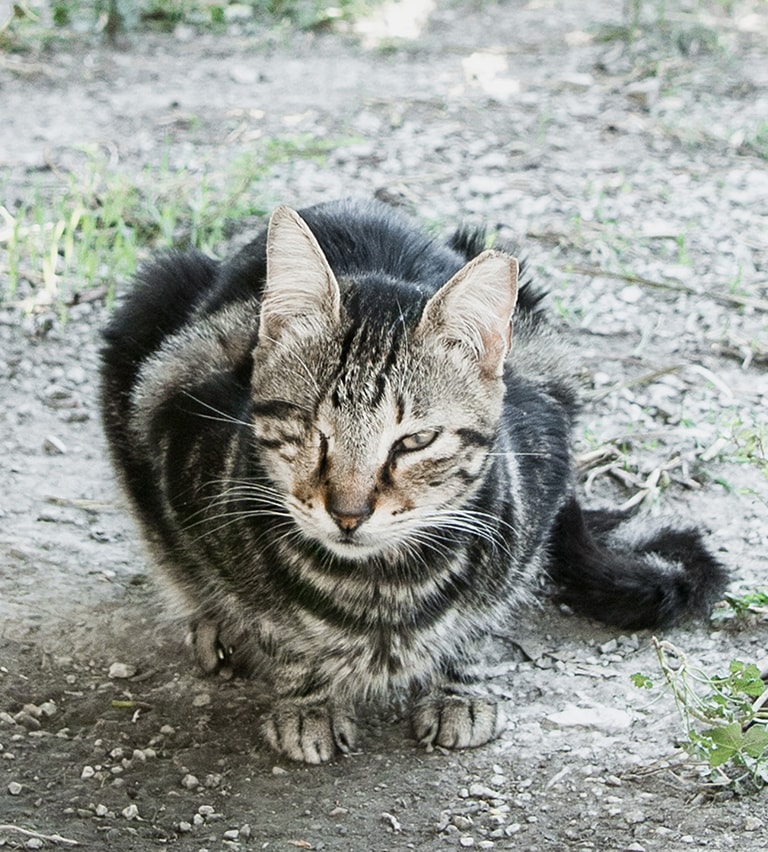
(457, 721)
(310, 733)
(212, 652)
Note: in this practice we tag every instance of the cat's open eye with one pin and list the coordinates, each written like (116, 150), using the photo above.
(417, 441)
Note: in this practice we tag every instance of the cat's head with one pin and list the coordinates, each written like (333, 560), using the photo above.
(375, 407)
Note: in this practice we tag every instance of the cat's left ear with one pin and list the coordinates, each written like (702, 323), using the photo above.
(301, 291)
(474, 309)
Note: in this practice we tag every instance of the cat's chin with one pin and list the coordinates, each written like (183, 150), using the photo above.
(353, 550)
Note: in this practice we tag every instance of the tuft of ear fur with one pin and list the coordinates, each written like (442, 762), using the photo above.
(301, 291)
(474, 309)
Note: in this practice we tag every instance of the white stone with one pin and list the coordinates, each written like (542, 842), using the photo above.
(603, 718)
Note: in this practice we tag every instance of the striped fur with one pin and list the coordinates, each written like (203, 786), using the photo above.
(349, 473)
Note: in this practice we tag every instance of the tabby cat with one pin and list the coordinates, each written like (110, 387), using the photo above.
(351, 461)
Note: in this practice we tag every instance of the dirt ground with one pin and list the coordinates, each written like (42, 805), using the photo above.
(633, 174)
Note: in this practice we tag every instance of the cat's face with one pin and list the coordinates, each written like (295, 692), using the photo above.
(374, 432)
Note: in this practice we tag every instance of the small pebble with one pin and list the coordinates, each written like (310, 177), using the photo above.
(231, 834)
(466, 841)
(753, 823)
(185, 827)
(118, 671)
(190, 782)
(26, 721)
(131, 812)
(480, 791)
(278, 770)
(14, 788)
(87, 772)
(54, 446)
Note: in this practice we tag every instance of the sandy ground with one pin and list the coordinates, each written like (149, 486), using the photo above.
(633, 174)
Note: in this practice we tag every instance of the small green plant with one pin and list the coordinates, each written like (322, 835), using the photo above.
(743, 608)
(724, 716)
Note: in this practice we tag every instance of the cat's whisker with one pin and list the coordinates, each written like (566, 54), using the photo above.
(231, 518)
(223, 416)
(516, 454)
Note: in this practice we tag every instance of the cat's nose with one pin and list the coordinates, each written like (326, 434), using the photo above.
(348, 515)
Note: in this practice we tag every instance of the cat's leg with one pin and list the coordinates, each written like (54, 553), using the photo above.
(311, 730)
(457, 713)
(305, 723)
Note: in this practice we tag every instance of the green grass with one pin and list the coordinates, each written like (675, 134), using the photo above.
(90, 231)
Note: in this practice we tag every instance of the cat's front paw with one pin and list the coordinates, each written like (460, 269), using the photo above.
(457, 721)
(311, 733)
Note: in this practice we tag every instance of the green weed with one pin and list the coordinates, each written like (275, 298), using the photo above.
(742, 609)
(91, 230)
(724, 716)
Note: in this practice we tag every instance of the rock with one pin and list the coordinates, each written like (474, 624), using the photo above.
(480, 791)
(246, 75)
(26, 720)
(601, 718)
(120, 671)
(54, 446)
(644, 93)
(190, 782)
(14, 788)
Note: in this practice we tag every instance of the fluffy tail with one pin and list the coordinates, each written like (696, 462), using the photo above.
(609, 566)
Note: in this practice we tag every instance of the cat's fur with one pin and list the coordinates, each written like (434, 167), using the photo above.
(352, 464)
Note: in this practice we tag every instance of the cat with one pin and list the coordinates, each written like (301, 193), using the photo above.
(348, 448)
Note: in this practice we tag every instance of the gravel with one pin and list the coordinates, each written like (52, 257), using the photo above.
(631, 174)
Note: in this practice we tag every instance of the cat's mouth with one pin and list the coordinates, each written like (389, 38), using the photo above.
(353, 545)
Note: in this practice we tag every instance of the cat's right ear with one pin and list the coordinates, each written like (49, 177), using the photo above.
(301, 294)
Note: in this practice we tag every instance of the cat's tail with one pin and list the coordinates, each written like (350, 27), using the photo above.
(631, 573)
